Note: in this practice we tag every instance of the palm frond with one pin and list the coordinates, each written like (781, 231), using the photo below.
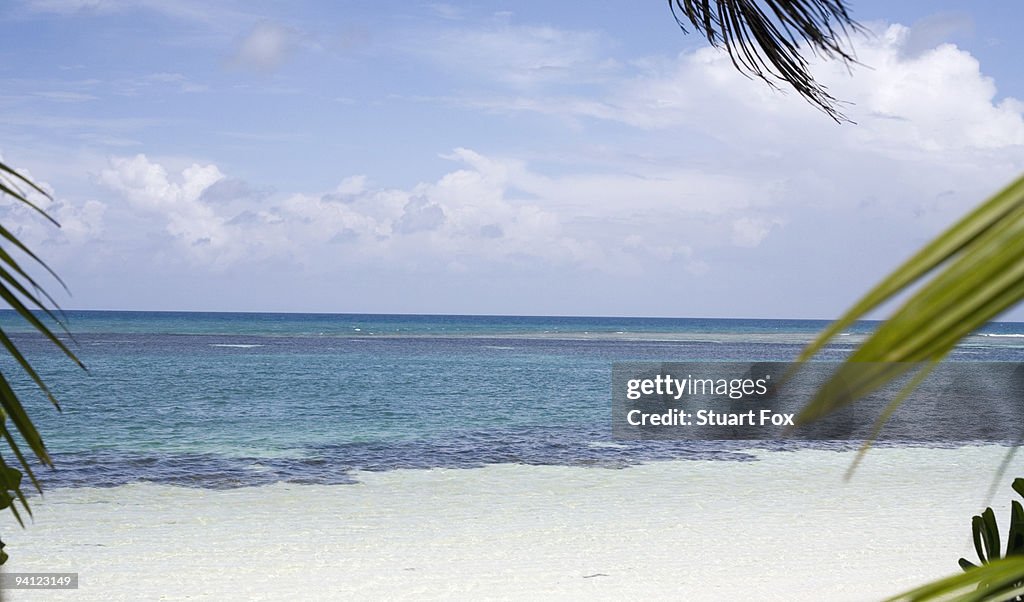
(9, 180)
(977, 273)
(994, 582)
(763, 38)
(979, 265)
(23, 294)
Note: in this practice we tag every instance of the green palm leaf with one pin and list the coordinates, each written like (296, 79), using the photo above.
(24, 295)
(977, 272)
(980, 274)
(997, 581)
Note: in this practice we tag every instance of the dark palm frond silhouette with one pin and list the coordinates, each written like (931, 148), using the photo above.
(764, 38)
(21, 292)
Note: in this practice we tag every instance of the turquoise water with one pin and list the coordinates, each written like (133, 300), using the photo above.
(231, 399)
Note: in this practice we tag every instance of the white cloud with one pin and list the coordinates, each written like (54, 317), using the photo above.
(931, 100)
(934, 101)
(750, 231)
(148, 183)
(488, 212)
(932, 136)
(419, 214)
(191, 221)
(266, 47)
(446, 11)
(80, 223)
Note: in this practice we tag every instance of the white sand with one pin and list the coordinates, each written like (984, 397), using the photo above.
(783, 528)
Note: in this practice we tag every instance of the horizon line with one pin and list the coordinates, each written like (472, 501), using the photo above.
(437, 314)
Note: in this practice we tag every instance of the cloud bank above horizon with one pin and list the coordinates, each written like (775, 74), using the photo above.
(508, 166)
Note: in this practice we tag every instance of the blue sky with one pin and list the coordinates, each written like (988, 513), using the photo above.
(496, 157)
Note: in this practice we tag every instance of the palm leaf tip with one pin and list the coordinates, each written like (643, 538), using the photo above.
(9, 177)
(764, 41)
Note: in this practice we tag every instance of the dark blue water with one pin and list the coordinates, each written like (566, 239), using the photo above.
(410, 325)
(224, 400)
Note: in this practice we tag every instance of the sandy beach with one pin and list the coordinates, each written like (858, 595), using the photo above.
(785, 527)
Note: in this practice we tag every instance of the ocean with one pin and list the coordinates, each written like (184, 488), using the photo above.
(227, 400)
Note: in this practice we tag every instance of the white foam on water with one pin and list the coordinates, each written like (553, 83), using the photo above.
(238, 345)
(786, 527)
(1009, 336)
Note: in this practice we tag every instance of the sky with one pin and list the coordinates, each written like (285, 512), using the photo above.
(531, 158)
